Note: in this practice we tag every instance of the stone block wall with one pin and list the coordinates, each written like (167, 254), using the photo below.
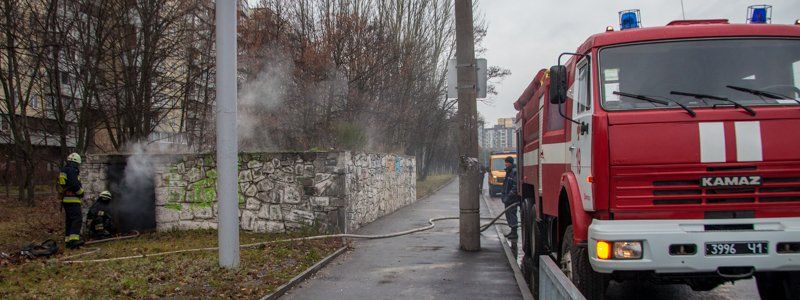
(278, 192)
(377, 185)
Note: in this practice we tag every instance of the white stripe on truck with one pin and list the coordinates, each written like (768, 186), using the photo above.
(530, 158)
(748, 141)
(554, 153)
(712, 142)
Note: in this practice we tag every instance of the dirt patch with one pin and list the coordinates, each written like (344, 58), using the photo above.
(21, 224)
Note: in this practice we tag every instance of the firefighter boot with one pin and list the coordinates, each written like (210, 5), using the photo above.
(74, 241)
(75, 244)
(513, 234)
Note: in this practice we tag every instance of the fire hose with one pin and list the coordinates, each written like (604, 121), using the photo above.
(431, 225)
(133, 234)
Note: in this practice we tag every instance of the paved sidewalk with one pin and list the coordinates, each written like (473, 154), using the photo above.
(426, 265)
(497, 206)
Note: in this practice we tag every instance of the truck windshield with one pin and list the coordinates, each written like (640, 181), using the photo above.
(752, 72)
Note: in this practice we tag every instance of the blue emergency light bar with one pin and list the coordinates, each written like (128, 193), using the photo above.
(759, 14)
(629, 19)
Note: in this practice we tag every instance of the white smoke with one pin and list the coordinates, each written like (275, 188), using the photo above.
(139, 167)
(260, 95)
(133, 185)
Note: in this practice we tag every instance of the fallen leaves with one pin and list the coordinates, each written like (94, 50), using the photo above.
(188, 275)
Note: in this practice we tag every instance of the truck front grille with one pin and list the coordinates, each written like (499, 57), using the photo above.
(632, 189)
(780, 199)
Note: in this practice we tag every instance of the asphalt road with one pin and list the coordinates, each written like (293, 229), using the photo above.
(743, 289)
(424, 265)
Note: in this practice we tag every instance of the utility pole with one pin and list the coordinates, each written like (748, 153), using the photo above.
(469, 207)
(227, 147)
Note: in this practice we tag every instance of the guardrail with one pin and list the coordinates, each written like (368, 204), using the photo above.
(553, 284)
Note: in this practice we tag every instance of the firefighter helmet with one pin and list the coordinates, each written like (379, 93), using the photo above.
(74, 157)
(105, 195)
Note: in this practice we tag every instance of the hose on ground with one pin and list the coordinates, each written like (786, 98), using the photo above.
(431, 225)
(132, 234)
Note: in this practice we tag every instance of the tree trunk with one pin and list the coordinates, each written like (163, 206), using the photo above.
(6, 177)
(26, 187)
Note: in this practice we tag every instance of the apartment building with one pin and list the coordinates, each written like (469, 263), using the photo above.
(500, 137)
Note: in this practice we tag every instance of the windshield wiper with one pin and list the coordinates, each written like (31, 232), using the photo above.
(770, 95)
(703, 96)
(654, 100)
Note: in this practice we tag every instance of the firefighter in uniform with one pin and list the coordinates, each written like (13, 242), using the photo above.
(101, 225)
(510, 197)
(71, 192)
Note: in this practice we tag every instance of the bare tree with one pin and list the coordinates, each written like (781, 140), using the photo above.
(345, 74)
(365, 75)
(143, 74)
(66, 30)
(20, 70)
(196, 106)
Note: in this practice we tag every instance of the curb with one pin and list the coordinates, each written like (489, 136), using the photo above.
(512, 260)
(281, 290)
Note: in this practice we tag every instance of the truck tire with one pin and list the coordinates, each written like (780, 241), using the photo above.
(574, 262)
(778, 285)
(527, 221)
(537, 249)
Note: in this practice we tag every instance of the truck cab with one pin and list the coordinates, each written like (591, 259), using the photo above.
(497, 172)
(667, 154)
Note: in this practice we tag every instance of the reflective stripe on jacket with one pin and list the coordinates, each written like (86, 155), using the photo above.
(69, 184)
(70, 199)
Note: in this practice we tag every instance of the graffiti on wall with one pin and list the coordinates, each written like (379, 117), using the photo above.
(199, 194)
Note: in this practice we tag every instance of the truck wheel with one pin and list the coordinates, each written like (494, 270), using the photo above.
(527, 221)
(778, 285)
(574, 262)
(537, 249)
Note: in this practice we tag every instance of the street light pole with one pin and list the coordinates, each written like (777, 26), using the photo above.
(469, 207)
(227, 147)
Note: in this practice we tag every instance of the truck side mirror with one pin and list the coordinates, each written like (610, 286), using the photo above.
(558, 84)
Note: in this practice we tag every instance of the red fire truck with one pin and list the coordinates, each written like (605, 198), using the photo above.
(669, 154)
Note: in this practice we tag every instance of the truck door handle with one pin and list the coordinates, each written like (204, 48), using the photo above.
(572, 148)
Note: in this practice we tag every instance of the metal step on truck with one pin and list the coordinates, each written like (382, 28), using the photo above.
(669, 154)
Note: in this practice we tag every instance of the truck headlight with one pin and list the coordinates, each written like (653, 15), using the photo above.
(603, 250)
(628, 250)
(619, 250)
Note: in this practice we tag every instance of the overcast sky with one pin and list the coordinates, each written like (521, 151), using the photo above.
(527, 35)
